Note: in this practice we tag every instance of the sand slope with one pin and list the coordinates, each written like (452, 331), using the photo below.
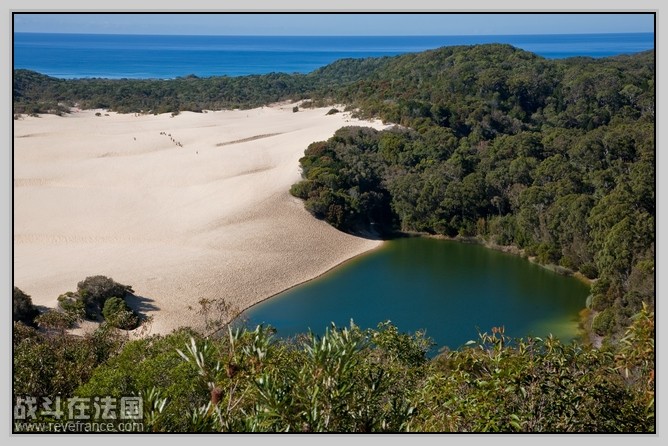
(181, 208)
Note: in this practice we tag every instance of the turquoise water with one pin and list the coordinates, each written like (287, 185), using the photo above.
(450, 289)
(163, 57)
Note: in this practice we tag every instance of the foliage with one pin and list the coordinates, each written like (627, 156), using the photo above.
(636, 359)
(91, 300)
(341, 185)
(350, 380)
(529, 385)
(73, 305)
(54, 320)
(147, 363)
(603, 322)
(97, 289)
(340, 382)
(117, 313)
(56, 363)
(22, 308)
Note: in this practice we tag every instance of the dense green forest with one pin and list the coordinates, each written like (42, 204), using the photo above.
(553, 157)
(245, 379)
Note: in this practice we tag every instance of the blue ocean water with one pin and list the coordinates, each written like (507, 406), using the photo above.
(163, 57)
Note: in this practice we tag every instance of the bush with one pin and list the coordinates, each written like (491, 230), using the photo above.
(22, 332)
(97, 289)
(56, 320)
(332, 111)
(589, 270)
(603, 322)
(303, 189)
(72, 304)
(23, 309)
(56, 364)
(546, 253)
(295, 109)
(90, 298)
(529, 385)
(117, 314)
(152, 362)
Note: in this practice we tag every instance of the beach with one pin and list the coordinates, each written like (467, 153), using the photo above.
(182, 208)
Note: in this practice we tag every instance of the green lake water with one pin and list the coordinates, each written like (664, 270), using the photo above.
(450, 289)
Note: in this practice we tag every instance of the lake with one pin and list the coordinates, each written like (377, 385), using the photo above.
(448, 288)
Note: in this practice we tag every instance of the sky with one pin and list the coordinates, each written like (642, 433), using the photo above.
(334, 24)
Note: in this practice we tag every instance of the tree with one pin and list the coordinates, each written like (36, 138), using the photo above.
(23, 309)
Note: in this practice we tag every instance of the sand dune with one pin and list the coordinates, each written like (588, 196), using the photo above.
(181, 208)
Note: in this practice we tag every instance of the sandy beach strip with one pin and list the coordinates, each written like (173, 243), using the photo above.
(180, 207)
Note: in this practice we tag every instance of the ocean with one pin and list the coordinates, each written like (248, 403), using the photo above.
(163, 57)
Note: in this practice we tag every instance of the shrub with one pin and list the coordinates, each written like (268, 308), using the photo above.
(56, 320)
(117, 314)
(303, 189)
(23, 309)
(97, 289)
(91, 296)
(295, 109)
(22, 332)
(546, 253)
(528, 385)
(332, 111)
(56, 364)
(72, 304)
(603, 322)
(589, 270)
(147, 363)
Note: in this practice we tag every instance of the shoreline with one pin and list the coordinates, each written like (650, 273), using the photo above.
(182, 208)
(340, 264)
(508, 249)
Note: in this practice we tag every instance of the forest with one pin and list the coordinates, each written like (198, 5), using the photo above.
(553, 157)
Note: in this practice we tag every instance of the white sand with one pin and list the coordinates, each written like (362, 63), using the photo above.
(111, 195)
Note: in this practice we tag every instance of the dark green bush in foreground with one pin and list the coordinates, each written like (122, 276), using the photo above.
(352, 380)
(54, 363)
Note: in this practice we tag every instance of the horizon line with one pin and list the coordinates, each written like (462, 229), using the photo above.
(334, 35)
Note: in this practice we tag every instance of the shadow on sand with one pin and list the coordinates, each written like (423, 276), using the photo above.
(140, 304)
